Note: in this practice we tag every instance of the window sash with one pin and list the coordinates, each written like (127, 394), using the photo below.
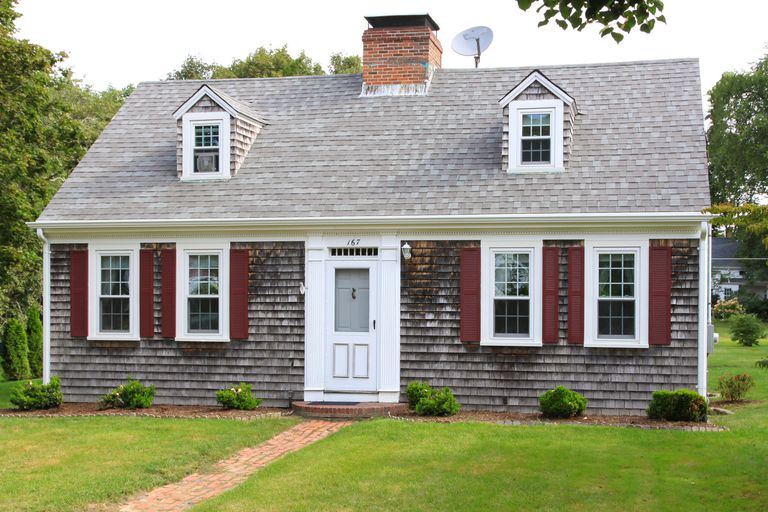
(196, 317)
(520, 280)
(540, 150)
(117, 319)
(627, 323)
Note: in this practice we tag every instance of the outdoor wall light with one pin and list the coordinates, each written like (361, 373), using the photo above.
(406, 251)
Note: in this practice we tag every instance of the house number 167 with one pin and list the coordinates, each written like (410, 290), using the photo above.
(353, 242)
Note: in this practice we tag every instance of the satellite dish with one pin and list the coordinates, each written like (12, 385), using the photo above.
(473, 41)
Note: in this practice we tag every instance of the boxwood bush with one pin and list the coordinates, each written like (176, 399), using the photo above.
(238, 397)
(34, 396)
(427, 401)
(561, 402)
(680, 405)
(131, 395)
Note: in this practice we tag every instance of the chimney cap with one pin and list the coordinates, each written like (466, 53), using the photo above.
(405, 20)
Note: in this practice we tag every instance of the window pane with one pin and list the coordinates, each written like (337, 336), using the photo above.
(207, 136)
(206, 160)
(616, 275)
(511, 274)
(204, 274)
(536, 151)
(113, 314)
(616, 318)
(115, 275)
(511, 317)
(203, 314)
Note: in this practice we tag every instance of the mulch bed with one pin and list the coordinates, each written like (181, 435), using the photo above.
(511, 418)
(156, 411)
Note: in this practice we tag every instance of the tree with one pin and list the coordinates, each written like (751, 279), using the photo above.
(264, 63)
(47, 123)
(345, 64)
(35, 341)
(737, 140)
(615, 16)
(15, 351)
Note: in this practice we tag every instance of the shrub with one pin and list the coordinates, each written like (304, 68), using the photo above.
(238, 397)
(131, 395)
(561, 402)
(438, 403)
(733, 388)
(747, 330)
(35, 342)
(680, 405)
(754, 304)
(416, 391)
(762, 363)
(33, 395)
(15, 351)
(725, 309)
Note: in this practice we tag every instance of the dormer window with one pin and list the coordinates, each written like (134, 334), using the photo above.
(538, 129)
(205, 145)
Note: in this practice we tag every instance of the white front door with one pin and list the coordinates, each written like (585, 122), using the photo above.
(351, 340)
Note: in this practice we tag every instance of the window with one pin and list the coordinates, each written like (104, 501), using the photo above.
(616, 294)
(536, 139)
(205, 145)
(203, 294)
(113, 295)
(202, 291)
(206, 154)
(535, 135)
(616, 303)
(510, 303)
(511, 299)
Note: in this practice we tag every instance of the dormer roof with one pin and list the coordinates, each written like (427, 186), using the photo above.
(533, 77)
(234, 107)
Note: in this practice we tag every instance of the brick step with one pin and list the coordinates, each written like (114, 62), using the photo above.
(338, 410)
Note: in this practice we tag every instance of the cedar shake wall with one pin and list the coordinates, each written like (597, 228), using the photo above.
(189, 373)
(616, 381)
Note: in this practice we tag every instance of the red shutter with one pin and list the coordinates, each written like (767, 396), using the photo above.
(550, 279)
(576, 295)
(469, 291)
(147, 293)
(238, 294)
(168, 290)
(660, 296)
(78, 292)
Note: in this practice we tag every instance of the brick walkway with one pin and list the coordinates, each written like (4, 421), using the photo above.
(228, 473)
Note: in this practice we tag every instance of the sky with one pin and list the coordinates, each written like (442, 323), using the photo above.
(119, 43)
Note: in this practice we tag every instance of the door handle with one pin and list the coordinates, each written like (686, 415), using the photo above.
(354, 293)
(374, 325)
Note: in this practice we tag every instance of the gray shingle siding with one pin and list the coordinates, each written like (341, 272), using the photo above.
(638, 146)
(616, 381)
(189, 373)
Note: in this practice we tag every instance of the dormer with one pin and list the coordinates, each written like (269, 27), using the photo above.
(538, 126)
(214, 133)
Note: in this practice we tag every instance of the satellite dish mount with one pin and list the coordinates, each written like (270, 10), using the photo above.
(473, 42)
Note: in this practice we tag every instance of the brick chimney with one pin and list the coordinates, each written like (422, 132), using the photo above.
(400, 53)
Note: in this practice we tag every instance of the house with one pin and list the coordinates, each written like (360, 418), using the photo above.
(333, 238)
(728, 273)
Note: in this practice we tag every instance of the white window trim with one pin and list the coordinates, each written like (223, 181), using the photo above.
(189, 121)
(488, 250)
(516, 111)
(183, 250)
(95, 251)
(592, 249)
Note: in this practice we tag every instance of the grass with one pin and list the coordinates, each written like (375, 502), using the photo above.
(391, 465)
(64, 464)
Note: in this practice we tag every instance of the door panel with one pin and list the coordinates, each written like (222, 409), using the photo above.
(352, 304)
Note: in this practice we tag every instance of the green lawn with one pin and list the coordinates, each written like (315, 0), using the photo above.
(391, 465)
(62, 464)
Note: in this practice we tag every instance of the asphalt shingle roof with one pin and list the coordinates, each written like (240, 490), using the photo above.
(638, 147)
